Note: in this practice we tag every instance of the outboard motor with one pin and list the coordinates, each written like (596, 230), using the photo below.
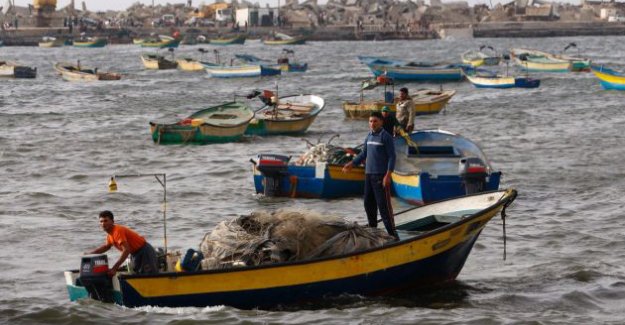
(94, 277)
(473, 172)
(273, 168)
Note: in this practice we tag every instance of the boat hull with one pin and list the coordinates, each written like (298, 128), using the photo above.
(406, 73)
(609, 79)
(228, 41)
(162, 44)
(11, 70)
(259, 126)
(424, 188)
(100, 42)
(157, 63)
(203, 134)
(242, 71)
(189, 65)
(321, 181)
(292, 41)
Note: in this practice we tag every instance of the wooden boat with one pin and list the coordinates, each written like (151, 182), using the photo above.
(419, 72)
(91, 42)
(479, 58)
(291, 115)
(161, 41)
(284, 39)
(426, 101)
(48, 42)
(190, 64)
(427, 167)
(137, 41)
(157, 62)
(376, 60)
(307, 177)
(14, 70)
(435, 242)
(239, 71)
(498, 81)
(217, 124)
(76, 72)
(577, 64)
(610, 79)
(537, 61)
(238, 39)
(285, 62)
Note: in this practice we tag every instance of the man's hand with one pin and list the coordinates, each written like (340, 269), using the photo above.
(348, 167)
(386, 181)
(409, 128)
(112, 271)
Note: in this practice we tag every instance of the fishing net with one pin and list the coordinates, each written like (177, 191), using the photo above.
(327, 153)
(284, 236)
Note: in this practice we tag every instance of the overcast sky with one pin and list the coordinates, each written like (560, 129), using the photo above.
(96, 5)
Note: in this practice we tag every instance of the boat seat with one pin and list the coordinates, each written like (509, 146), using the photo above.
(429, 223)
(432, 151)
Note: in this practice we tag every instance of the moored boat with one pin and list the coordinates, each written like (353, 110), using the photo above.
(502, 82)
(284, 39)
(190, 64)
(14, 70)
(435, 242)
(48, 42)
(419, 72)
(237, 39)
(538, 61)
(609, 78)
(239, 71)
(157, 62)
(217, 124)
(316, 174)
(162, 41)
(479, 58)
(90, 42)
(285, 62)
(433, 165)
(426, 101)
(289, 115)
(76, 72)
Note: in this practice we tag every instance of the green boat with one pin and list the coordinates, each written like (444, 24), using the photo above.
(218, 124)
(239, 39)
(91, 42)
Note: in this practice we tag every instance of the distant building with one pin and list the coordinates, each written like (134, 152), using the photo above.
(256, 16)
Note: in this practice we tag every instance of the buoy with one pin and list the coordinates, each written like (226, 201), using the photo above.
(112, 185)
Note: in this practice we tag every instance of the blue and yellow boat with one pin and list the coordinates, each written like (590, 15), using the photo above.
(316, 174)
(434, 165)
(610, 79)
(419, 72)
(435, 241)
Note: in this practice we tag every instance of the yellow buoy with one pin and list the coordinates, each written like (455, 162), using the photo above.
(112, 185)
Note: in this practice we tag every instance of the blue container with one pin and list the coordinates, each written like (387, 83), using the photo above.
(389, 97)
(191, 260)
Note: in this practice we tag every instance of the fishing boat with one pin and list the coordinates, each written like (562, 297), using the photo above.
(189, 64)
(90, 42)
(315, 174)
(419, 72)
(237, 39)
(434, 165)
(609, 78)
(577, 64)
(14, 70)
(217, 124)
(426, 101)
(76, 72)
(499, 81)
(284, 39)
(479, 58)
(435, 242)
(376, 60)
(537, 61)
(48, 42)
(137, 41)
(162, 41)
(285, 62)
(157, 62)
(239, 71)
(289, 115)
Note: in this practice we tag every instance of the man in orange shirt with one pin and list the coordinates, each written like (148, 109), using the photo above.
(141, 253)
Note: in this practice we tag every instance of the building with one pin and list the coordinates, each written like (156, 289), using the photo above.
(256, 16)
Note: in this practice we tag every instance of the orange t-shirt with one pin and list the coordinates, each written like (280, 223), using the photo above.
(122, 234)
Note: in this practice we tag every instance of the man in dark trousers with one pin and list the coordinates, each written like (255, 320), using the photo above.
(379, 151)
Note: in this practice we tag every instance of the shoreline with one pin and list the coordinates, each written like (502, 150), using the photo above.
(30, 36)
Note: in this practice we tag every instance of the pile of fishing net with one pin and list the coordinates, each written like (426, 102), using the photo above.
(284, 236)
(327, 153)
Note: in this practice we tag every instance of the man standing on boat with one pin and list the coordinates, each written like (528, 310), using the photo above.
(405, 110)
(127, 241)
(390, 121)
(379, 152)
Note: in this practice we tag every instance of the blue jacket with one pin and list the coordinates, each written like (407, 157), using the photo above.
(379, 150)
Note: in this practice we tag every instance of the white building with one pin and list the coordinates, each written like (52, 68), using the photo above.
(607, 12)
(257, 16)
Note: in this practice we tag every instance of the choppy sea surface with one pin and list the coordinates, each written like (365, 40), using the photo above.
(562, 146)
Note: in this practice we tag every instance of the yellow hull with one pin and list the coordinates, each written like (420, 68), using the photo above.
(189, 65)
(424, 106)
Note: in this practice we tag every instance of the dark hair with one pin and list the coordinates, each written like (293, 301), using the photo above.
(377, 114)
(404, 90)
(107, 214)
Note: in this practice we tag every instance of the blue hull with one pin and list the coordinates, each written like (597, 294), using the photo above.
(456, 76)
(612, 86)
(301, 182)
(438, 269)
(440, 188)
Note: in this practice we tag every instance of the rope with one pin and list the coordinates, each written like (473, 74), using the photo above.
(293, 181)
(503, 218)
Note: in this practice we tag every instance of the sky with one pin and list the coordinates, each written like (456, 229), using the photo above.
(96, 5)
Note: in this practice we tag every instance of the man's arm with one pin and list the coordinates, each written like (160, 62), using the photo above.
(389, 144)
(101, 249)
(122, 258)
(359, 158)
(411, 115)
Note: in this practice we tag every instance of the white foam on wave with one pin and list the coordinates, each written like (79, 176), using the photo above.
(180, 310)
